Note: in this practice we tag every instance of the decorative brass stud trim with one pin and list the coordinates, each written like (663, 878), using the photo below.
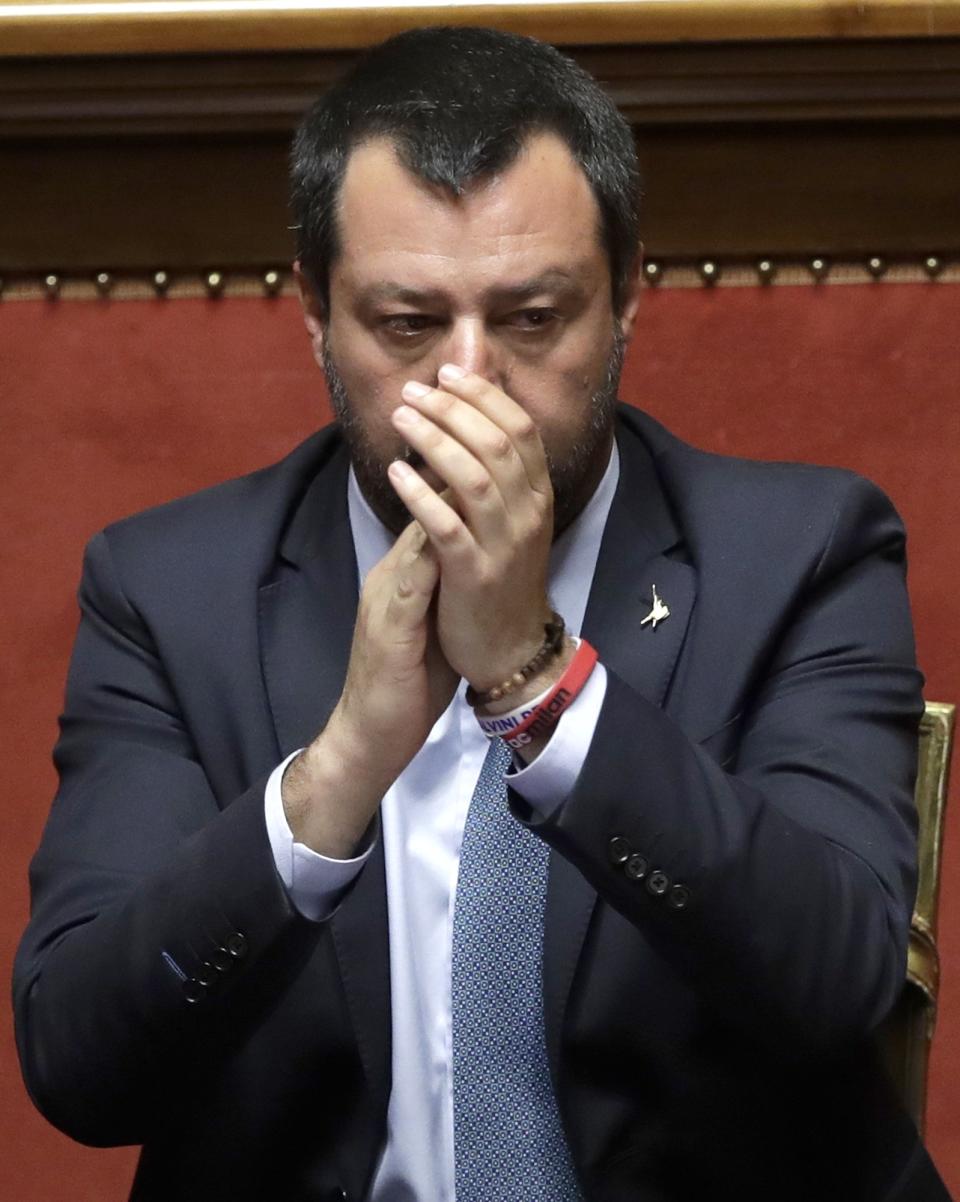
(766, 271)
(271, 282)
(819, 268)
(709, 272)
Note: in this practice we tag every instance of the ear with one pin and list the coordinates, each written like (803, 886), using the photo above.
(631, 298)
(314, 314)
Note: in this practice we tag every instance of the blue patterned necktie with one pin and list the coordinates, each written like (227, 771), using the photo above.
(508, 1139)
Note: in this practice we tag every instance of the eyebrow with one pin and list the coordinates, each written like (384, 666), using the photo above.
(553, 279)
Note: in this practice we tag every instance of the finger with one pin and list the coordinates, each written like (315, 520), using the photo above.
(408, 542)
(481, 436)
(505, 413)
(447, 532)
(403, 583)
(484, 506)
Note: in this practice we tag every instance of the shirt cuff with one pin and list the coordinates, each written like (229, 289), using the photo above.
(546, 782)
(314, 882)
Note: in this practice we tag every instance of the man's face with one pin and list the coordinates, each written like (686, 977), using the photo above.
(510, 281)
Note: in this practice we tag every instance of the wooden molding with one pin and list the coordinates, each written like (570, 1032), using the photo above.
(98, 27)
(707, 85)
(845, 147)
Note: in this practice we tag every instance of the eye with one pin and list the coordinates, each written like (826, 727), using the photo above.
(408, 325)
(532, 319)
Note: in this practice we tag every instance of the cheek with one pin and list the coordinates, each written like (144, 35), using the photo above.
(560, 402)
(371, 381)
(582, 363)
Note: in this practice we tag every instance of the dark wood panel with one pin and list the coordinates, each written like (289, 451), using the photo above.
(708, 84)
(840, 148)
(843, 190)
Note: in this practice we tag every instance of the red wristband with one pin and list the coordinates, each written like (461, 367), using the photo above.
(560, 698)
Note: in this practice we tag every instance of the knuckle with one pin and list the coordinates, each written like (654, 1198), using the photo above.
(443, 403)
(543, 504)
(530, 530)
(537, 520)
(501, 447)
(483, 393)
(525, 429)
(486, 573)
(479, 485)
(447, 531)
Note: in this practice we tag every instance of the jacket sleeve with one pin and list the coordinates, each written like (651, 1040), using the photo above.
(774, 865)
(156, 914)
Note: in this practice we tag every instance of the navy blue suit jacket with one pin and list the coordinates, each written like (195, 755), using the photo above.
(731, 879)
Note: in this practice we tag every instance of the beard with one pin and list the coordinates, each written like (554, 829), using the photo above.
(574, 475)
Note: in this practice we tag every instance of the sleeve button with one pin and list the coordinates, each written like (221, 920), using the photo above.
(236, 945)
(221, 959)
(678, 897)
(658, 883)
(194, 990)
(206, 974)
(619, 850)
(636, 867)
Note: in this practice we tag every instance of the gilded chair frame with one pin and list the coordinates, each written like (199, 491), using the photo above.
(907, 1035)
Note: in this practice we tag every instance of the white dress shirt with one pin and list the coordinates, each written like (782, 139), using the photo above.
(421, 820)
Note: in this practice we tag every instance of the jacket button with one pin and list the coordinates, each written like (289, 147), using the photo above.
(678, 897)
(194, 990)
(236, 945)
(636, 867)
(338, 1195)
(618, 850)
(658, 883)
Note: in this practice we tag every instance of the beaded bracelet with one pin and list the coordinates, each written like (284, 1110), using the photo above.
(496, 725)
(550, 649)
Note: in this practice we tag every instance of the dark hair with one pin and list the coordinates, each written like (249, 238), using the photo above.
(458, 104)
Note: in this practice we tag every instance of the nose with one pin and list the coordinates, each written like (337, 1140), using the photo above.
(471, 346)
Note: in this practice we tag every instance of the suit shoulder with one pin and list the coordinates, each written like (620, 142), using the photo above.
(762, 491)
(191, 554)
(743, 515)
(261, 499)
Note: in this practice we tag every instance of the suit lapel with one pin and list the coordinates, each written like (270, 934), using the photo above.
(306, 612)
(306, 616)
(633, 560)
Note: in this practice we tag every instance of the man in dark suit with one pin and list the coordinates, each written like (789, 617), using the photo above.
(286, 933)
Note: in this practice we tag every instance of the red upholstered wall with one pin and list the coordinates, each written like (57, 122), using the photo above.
(106, 407)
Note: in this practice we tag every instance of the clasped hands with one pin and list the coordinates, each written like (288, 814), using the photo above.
(462, 593)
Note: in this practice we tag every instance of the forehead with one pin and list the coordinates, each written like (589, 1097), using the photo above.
(537, 214)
